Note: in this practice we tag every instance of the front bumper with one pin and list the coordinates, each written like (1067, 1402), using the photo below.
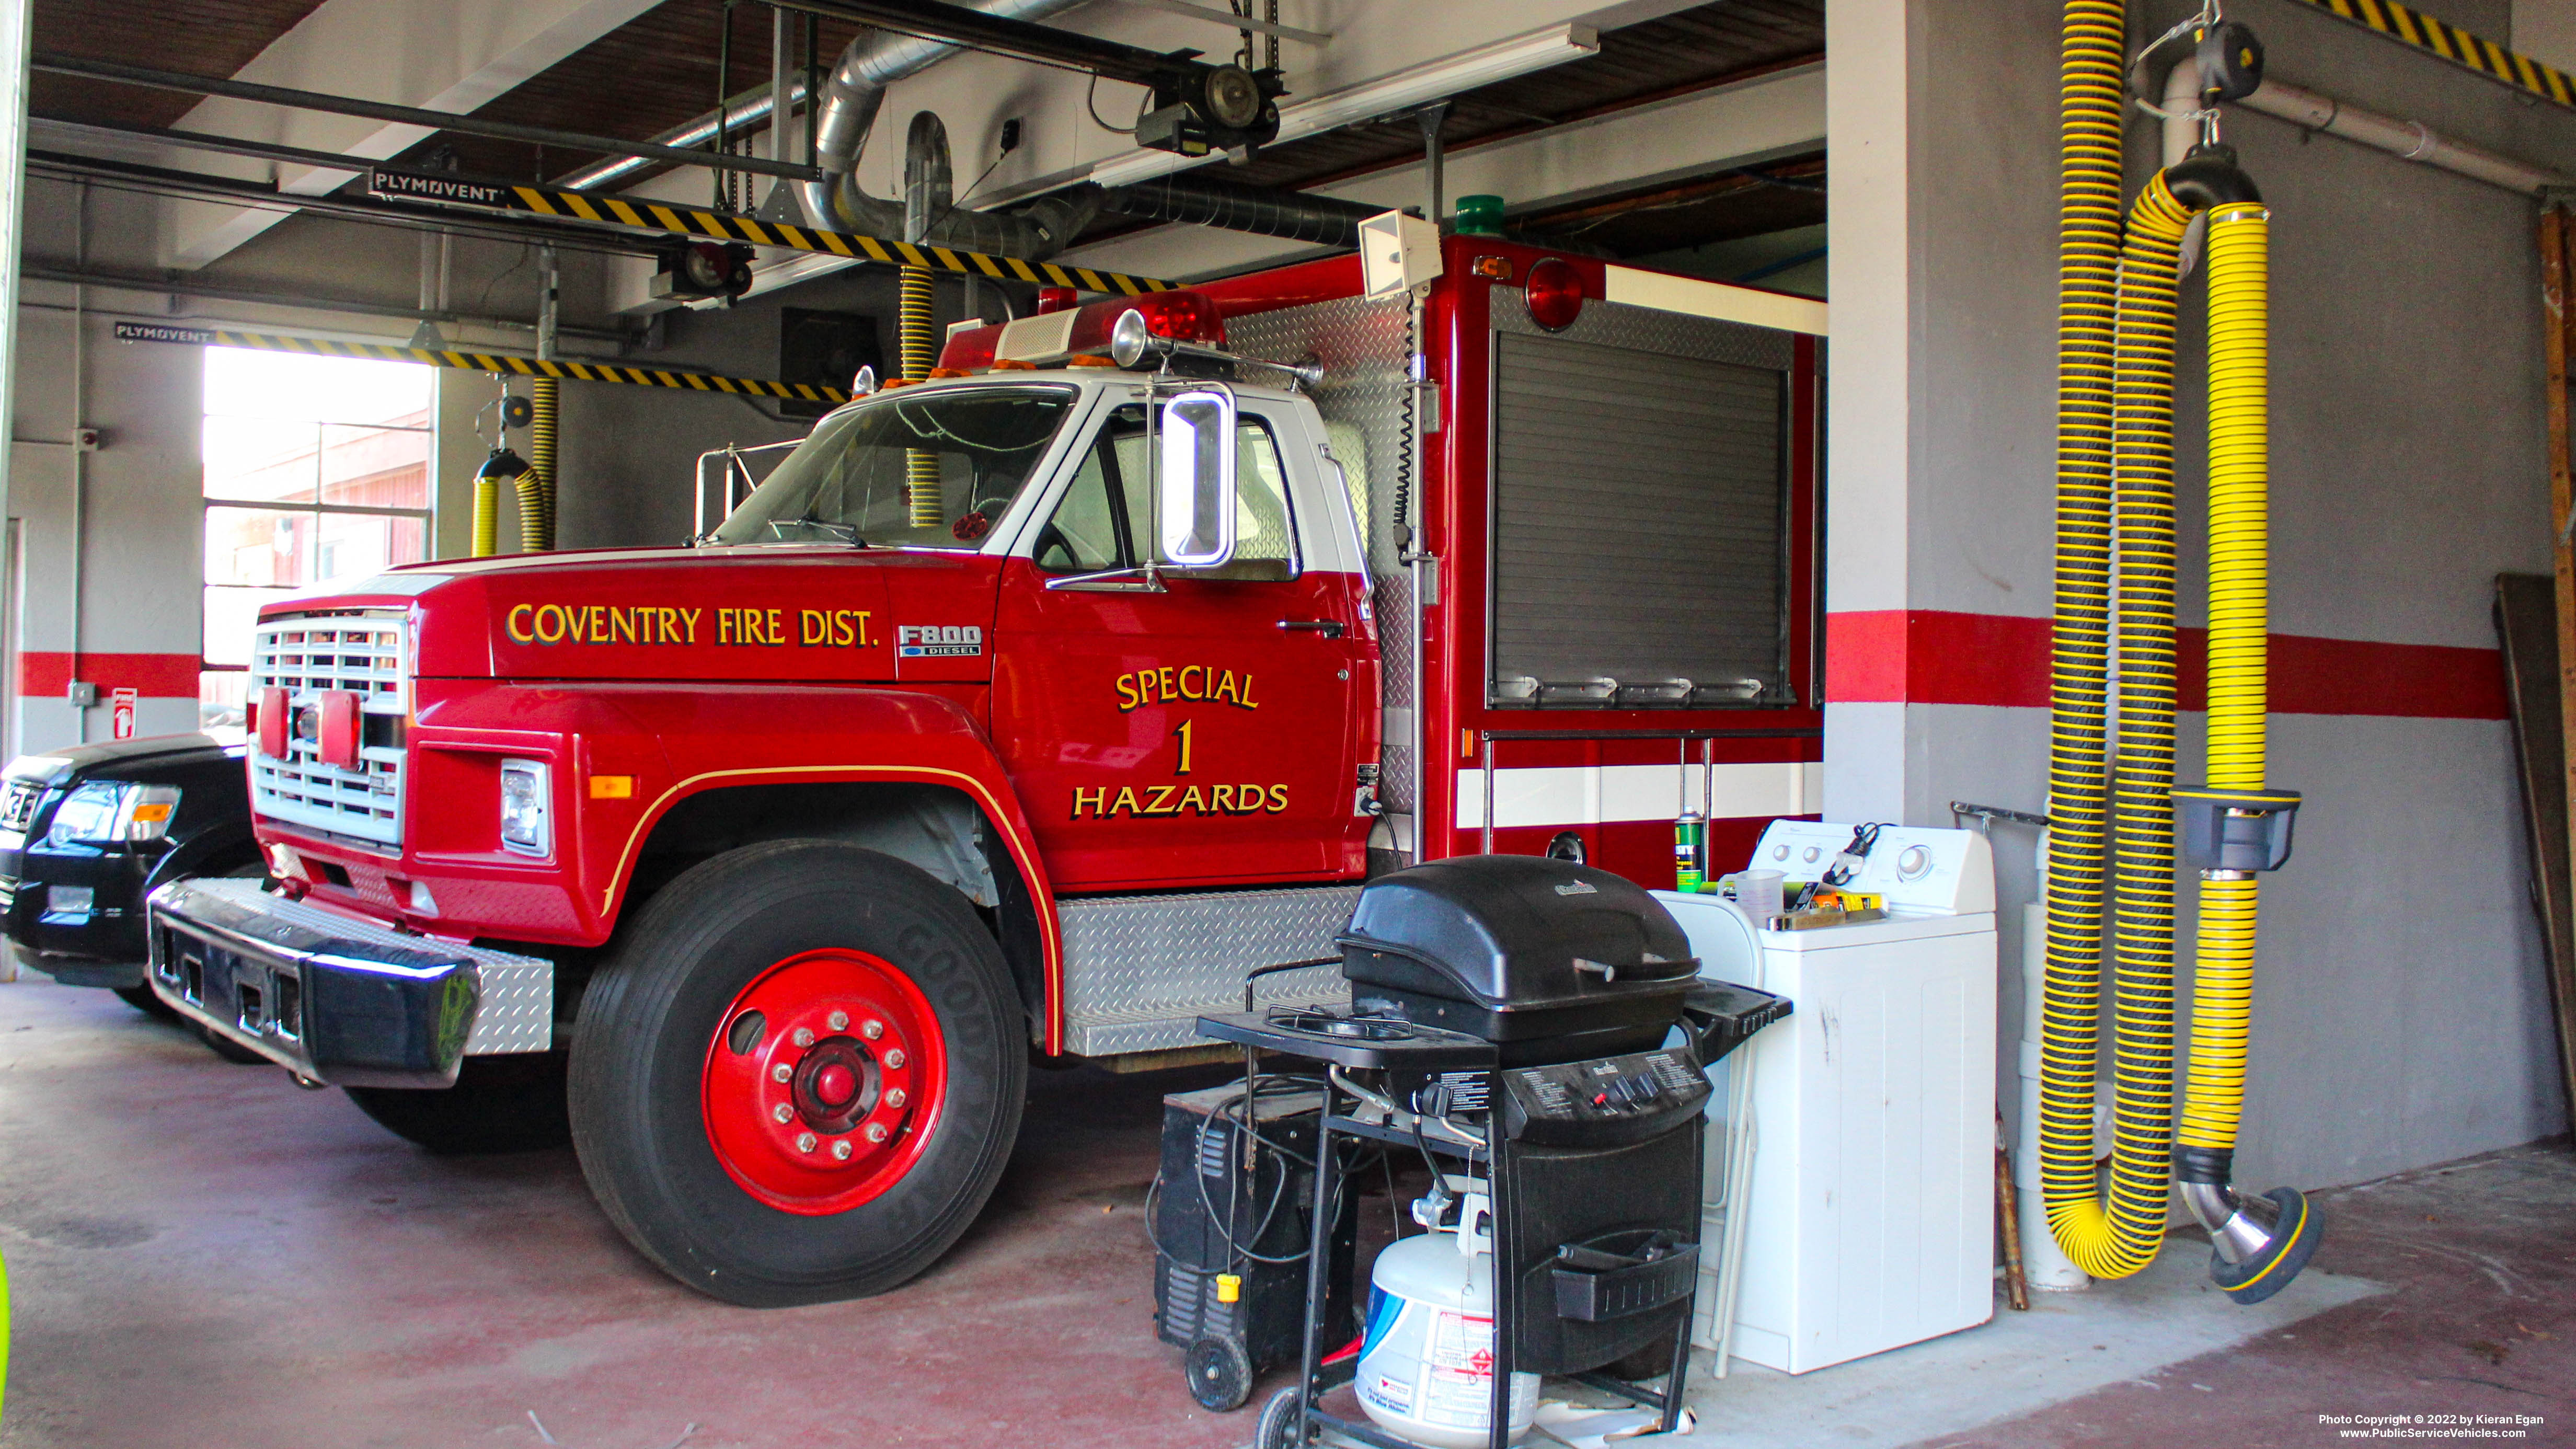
(336, 999)
(108, 930)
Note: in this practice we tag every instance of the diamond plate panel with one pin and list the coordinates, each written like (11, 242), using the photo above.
(1362, 344)
(1652, 329)
(514, 1009)
(1140, 970)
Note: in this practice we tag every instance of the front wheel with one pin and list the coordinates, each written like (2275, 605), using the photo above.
(800, 1076)
(499, 1104)
(142, 1000)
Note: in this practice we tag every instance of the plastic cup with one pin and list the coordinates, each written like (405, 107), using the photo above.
(1758, 893)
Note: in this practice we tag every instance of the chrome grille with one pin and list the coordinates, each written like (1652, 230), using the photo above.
(18, 807)
(366, 654)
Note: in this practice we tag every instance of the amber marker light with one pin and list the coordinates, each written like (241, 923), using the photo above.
(612, 787)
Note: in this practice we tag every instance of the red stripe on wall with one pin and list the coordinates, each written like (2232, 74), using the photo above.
(43, 673)
(1930, 656)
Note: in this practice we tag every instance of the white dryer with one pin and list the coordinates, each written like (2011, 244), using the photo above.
(1870, 1220)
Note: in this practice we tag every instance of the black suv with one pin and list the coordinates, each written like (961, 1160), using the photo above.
(88, 831)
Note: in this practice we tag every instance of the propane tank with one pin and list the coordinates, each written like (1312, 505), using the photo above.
(1426, 1369)
(1690, 852)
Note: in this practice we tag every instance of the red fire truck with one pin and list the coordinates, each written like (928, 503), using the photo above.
(1020, 714)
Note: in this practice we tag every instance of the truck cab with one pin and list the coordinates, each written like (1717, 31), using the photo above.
(955, 654)
(1030, 710)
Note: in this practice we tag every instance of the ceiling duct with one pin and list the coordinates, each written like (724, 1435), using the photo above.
(855, 92)
(1191, 198)
(852, 95)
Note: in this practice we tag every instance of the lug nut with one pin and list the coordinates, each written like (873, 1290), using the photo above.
(894, 1057)
(872, 1030)
(781, 1072)
(841, 1150)
(804, 1141)
(895, 1098)
(838, 1020)
(876, 1132)
(803, 1037)
(783, 1113)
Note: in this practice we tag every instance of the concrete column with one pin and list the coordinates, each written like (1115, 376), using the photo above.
(1869, 432)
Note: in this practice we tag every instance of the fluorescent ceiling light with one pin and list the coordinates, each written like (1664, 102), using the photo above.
(1387, 95)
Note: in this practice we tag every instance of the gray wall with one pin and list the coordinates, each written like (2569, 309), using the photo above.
(627, 452)
(2393, 1028)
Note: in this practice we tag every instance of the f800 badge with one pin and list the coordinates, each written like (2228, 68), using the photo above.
(938, 641)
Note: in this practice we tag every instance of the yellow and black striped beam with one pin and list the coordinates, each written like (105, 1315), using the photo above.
(480, 361)
(2451, 43)
(638, 214)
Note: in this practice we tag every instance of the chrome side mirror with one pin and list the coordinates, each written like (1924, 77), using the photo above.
(1197, 479)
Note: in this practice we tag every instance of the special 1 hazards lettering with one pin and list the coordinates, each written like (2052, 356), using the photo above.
(1180, 684)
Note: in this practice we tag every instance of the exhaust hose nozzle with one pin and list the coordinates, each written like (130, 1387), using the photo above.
(2257, 1244)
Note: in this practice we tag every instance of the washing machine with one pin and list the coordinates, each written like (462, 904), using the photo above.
(1869, 1215)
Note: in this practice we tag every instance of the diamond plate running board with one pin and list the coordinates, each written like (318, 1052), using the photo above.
(1140, 970)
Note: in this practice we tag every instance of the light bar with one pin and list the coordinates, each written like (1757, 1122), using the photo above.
(1399, 91)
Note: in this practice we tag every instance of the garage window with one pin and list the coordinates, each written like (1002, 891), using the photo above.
(316, 470)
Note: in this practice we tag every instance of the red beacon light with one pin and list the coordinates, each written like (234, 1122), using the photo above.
(1083, 336)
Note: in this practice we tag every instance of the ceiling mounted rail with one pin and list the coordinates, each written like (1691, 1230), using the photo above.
(120, 73)
(199, 186)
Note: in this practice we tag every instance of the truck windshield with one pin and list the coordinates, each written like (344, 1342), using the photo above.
(932, 470)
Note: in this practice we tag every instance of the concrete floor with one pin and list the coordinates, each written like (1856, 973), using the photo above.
(200, 1254)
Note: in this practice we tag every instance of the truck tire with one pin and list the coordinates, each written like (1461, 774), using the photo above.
(499, 1104)
(142, 1000)
(800, 1075)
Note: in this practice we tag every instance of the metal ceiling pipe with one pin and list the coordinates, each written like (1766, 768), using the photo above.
(2308, 110)
(465, 124)
(747, 110)
(1290, 215)
(850, 100)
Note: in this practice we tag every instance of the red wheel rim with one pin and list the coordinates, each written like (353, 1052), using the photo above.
(824, 1081)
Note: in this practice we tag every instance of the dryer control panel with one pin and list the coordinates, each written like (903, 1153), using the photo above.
(1949, 872)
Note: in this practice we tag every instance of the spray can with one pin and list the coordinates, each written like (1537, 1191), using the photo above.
(1690, 852)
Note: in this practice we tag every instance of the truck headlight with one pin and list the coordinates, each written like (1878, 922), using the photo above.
(113, 812)
(527, 815)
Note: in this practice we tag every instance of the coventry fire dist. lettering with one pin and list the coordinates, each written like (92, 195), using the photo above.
(1097, 802)
(646, 624)
(1194, 683)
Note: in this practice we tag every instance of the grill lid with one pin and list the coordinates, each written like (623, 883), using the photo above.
(1516, 933)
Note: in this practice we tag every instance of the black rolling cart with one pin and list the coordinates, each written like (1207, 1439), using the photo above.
(1510, 1015)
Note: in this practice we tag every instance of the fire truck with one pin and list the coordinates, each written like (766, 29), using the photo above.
(1020, 715)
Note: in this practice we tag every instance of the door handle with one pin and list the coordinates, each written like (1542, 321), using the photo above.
(1329, 628)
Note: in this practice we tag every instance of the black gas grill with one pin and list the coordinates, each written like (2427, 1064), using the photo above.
(1518, 1015)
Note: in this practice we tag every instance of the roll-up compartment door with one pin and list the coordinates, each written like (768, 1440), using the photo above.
(1640, 518)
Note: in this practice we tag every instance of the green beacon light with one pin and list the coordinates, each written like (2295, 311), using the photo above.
(1480, 215)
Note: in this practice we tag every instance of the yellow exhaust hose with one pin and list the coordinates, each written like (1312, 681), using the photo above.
(487, 517)
(916, 351)
(2092, 100)
(504, 466)
(2121, 1237)
(537, 488)
(2239, 621)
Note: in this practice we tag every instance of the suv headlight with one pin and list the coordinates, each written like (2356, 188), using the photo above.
(113, 812)
(527, 813)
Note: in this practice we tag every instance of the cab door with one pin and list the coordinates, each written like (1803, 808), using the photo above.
(1198, 729)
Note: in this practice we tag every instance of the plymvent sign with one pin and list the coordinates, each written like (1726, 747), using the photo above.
(421, 186)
